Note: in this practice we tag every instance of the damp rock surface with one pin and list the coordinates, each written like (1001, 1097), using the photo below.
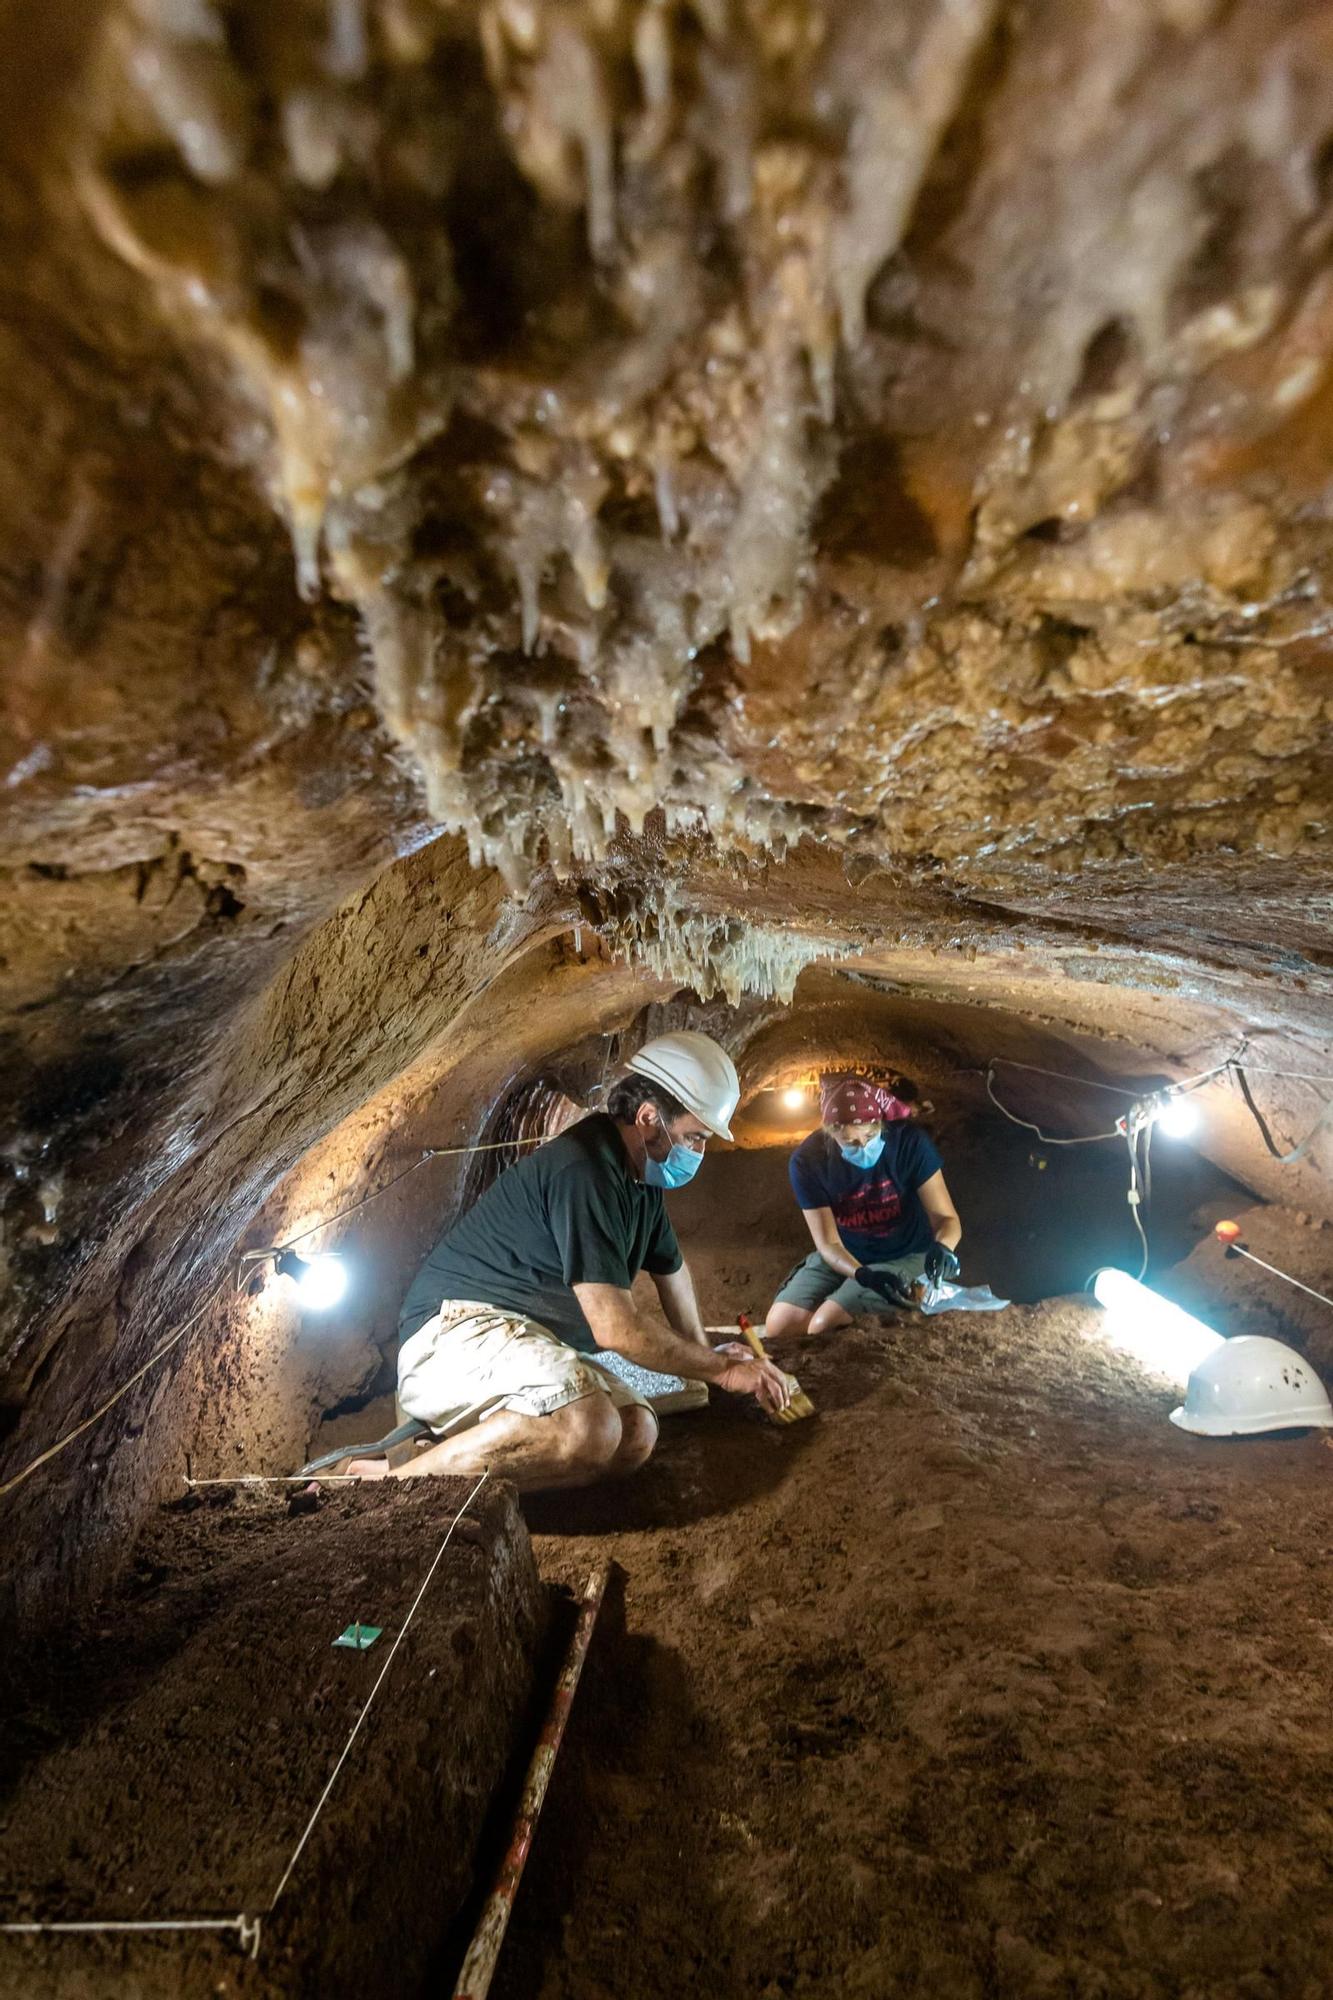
(165, 1758)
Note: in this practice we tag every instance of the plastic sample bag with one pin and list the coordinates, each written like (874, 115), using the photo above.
(961, 1298)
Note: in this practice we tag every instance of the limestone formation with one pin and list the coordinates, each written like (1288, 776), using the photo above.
(734, 482)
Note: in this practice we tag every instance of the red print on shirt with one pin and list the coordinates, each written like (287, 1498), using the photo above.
(869, 1210)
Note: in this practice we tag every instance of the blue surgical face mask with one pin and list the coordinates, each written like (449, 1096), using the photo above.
(681, 1164)
(864, 1156)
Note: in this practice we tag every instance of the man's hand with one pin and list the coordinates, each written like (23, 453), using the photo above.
(760, 1379)
(894, 1290)
(941, 1264)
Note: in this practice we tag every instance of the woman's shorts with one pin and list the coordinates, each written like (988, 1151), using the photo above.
(470, 1360)
(813, 1281)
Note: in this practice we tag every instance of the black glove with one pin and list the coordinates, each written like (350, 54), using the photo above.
(940, 1264)
(895, 1291)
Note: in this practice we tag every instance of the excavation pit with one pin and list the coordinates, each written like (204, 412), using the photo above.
(165, 1761)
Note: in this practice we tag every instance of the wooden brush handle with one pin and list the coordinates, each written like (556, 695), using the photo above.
(752, 1341)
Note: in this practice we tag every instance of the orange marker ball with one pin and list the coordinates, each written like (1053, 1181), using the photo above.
(1227, 1232)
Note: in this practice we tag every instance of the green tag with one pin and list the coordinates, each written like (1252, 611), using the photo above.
(358, 1637)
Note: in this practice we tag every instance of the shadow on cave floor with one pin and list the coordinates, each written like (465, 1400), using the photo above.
(635, 1691)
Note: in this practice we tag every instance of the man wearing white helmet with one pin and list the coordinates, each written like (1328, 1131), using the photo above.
(502, 1326)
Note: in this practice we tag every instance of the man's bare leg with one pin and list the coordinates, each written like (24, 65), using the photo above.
(638, 1435)
(573, 1446)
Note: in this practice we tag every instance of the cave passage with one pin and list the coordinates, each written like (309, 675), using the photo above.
(922, 1674)
(528, 527)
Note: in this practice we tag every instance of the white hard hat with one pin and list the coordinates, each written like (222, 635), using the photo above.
(1251, 1384)
(697, 1070)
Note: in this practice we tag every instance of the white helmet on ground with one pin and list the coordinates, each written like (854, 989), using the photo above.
(698, 1071)
(1251, 1384)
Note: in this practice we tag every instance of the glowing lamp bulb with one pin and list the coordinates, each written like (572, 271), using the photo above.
(793, 1099)
(1161, 1337)
(1177, 1118)
(320, 1281)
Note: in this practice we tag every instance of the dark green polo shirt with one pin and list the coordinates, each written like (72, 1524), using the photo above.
(570, 1213)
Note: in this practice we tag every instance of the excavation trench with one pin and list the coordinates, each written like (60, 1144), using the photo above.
(167, 1762)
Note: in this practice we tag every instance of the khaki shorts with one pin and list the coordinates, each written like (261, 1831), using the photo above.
(470, 1360)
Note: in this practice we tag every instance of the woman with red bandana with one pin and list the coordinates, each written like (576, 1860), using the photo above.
(871, 1187)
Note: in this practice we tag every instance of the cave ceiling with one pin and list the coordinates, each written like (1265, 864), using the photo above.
(902, 427)
(859, 469)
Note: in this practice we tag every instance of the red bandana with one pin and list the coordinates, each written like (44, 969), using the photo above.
(854, 1100)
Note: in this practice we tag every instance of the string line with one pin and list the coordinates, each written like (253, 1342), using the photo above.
(53, 1450)
(248, 1928)
(1238, 1250)
(431, 1153)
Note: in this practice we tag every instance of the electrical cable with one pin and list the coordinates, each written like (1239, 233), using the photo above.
(1301, 1075)
(1137, 1128)
(1283, 1159)
(1090, 1139)
(1135, 1196)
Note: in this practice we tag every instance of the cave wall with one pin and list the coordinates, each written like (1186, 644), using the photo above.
(746, 482)
(158, 1224)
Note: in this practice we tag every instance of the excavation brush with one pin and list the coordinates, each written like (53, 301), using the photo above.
(800, 1404)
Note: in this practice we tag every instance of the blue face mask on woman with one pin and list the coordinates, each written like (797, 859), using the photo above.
(681, 1164)
(864, 1156)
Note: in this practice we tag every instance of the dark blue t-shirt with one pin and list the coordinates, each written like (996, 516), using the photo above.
(877, 1209)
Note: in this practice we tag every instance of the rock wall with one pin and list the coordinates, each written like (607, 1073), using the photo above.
(750, 482)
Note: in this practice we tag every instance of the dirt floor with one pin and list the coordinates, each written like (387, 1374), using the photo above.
(985, 1682)
(166, 1762)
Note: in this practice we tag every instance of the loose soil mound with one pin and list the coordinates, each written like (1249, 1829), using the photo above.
(166, 1763)
(986, 1682)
